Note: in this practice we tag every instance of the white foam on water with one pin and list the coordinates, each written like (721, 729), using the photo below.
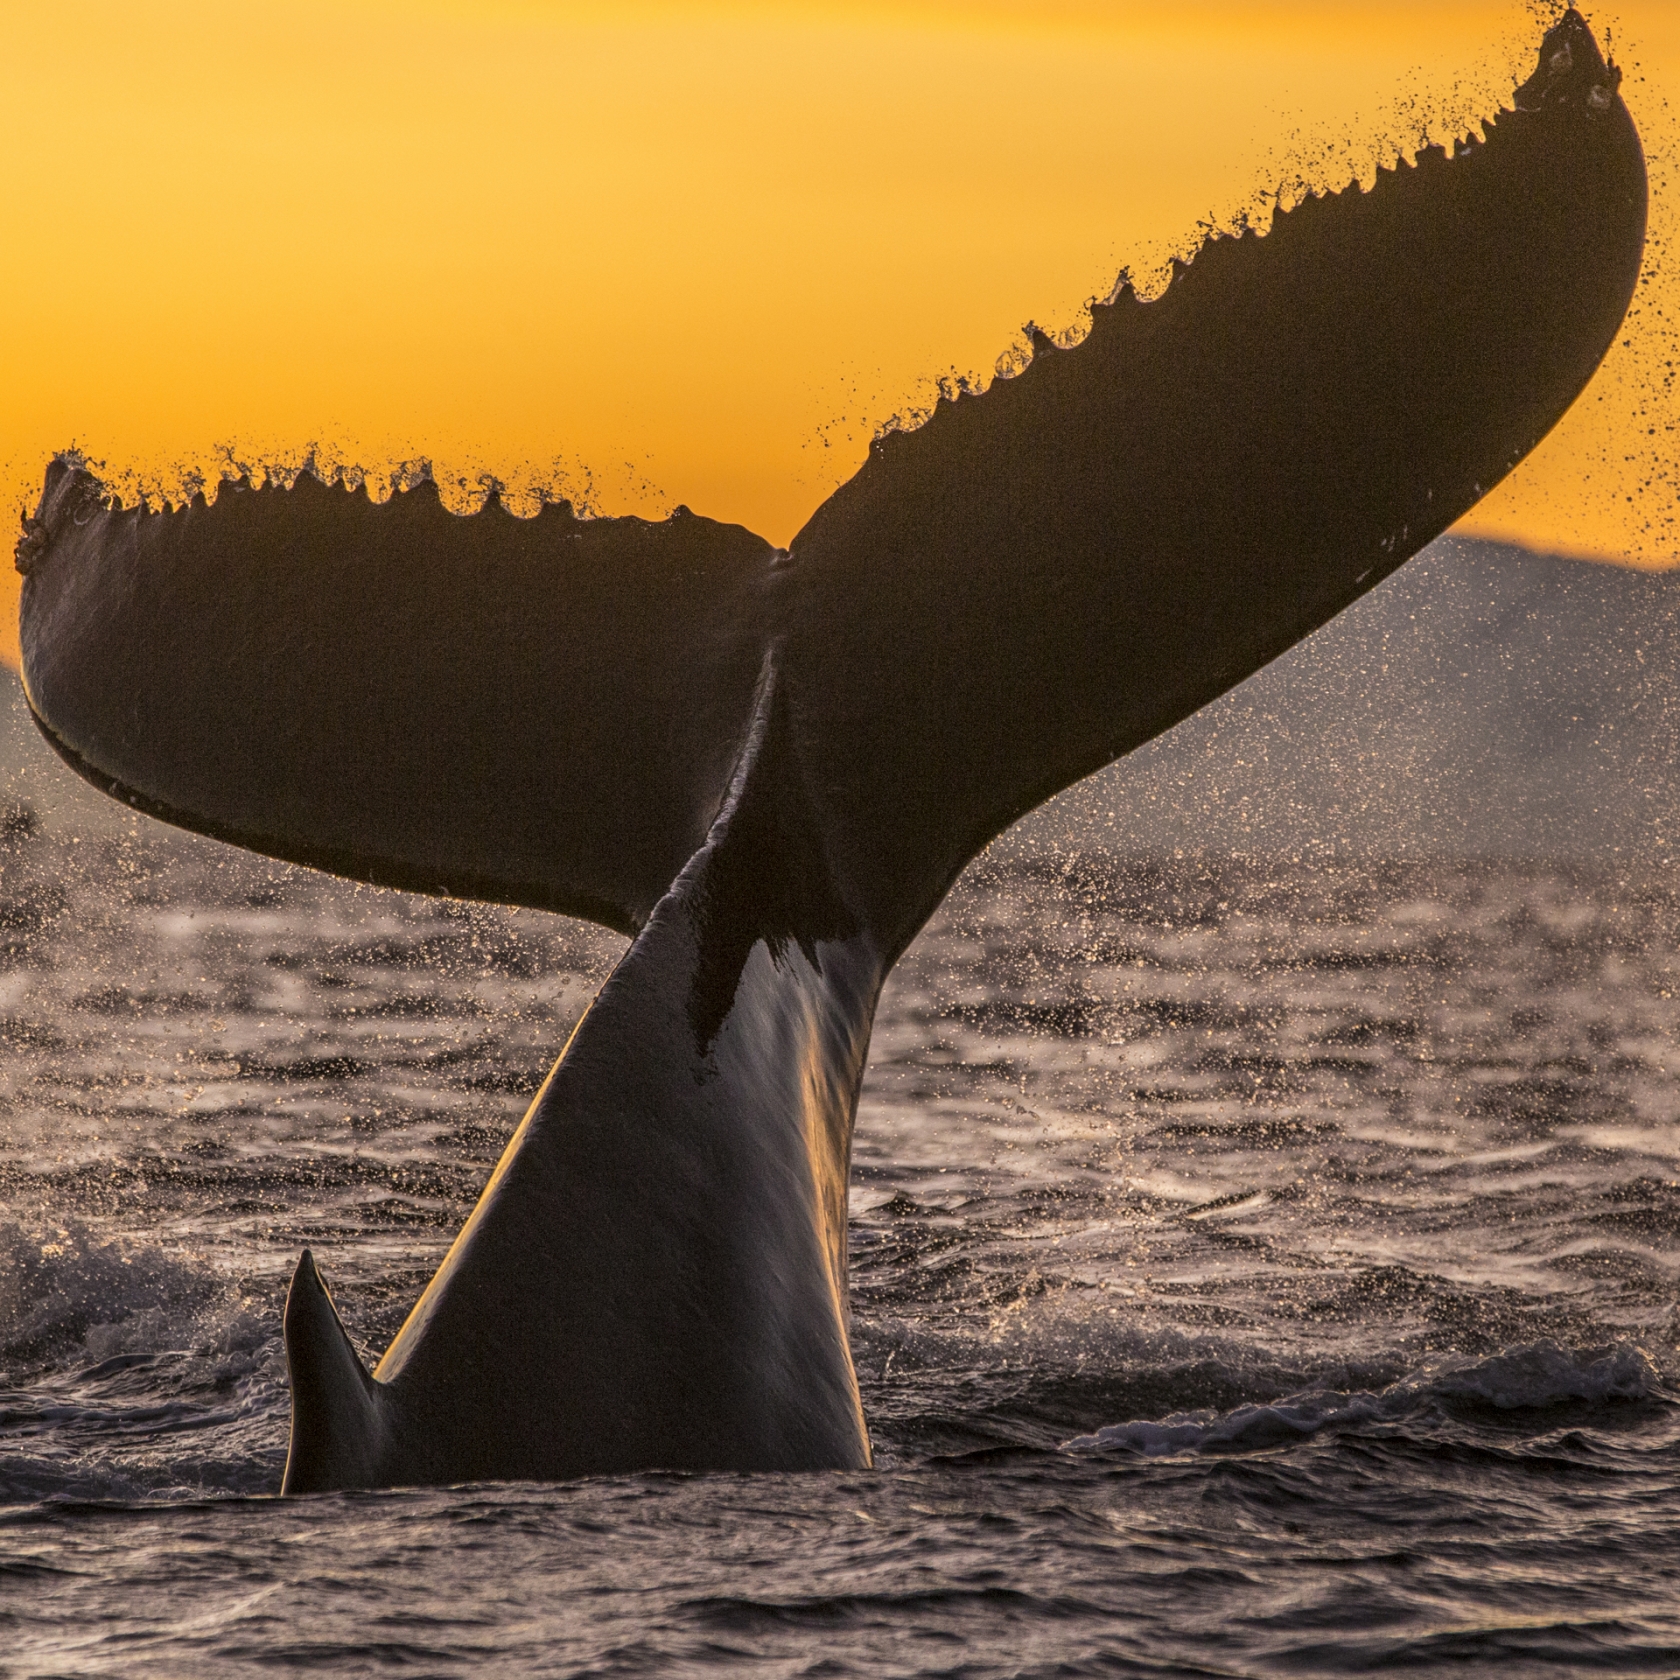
(67, 1288)
(1534, 1377)
(131, 1371)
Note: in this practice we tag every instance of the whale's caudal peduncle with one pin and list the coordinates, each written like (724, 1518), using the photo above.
(770, 766)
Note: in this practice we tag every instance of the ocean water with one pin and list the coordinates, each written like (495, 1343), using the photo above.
(1258, 1269)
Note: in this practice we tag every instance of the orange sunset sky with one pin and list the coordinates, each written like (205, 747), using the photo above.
(660, 253)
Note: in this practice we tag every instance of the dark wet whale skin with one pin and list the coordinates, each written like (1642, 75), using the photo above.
(770, 768)
(656, 1274)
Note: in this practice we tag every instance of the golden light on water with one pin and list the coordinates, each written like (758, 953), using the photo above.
(697, 253)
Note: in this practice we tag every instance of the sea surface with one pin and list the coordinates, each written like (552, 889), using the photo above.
(1258, 1268)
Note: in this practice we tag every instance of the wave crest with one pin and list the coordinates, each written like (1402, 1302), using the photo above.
(1529, 1378)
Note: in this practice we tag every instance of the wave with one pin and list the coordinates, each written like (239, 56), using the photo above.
(128, 1371)
(80, 1304)
(1529, 1378)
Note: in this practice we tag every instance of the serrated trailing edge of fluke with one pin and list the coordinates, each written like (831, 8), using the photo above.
(80, 490)
(1571, 69)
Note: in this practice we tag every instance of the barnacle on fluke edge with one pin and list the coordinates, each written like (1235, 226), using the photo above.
(771, 772)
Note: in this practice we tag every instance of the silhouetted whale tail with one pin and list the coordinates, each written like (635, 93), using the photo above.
(656, 1273)
(769, 767)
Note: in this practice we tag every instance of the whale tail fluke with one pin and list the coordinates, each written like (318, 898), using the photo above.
(1037, 580)
(336, 1421)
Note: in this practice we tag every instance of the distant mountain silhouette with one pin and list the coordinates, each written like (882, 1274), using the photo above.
(1483, 701)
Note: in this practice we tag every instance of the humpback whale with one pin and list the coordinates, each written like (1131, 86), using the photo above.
(769, 766)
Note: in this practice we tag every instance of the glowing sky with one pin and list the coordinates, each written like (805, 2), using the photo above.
(696, 253)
